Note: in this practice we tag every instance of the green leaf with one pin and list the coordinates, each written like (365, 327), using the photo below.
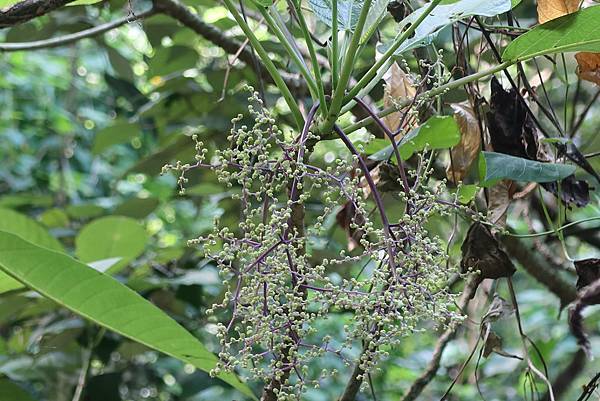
(466, 193)
(24, 227)
(500, 166)
(439, 132)
(105, 301)
(137, 208)
(119, 132)
(111, 237)
(443, 15)
(578, 31)
(84, 211)
(11, 391)
(348, 12)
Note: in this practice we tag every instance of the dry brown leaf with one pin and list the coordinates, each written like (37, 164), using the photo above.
(465, 152)
(499, 201)
(589, 66)
(551, 9)
(398, 88)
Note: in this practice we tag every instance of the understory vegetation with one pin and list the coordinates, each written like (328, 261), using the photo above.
(299, 200)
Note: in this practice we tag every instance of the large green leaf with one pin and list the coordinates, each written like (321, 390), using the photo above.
(439, 132)
(111, 237)
(443, 15)
(501, 166)
(579, 31)
(9, 391)
(119, 132)
(348, 14)
(103, 300)
(25, 227)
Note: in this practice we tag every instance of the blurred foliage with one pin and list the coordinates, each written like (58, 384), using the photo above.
(84, 132)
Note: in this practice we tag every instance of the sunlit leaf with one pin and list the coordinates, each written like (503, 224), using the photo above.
(578, 31)
(439, 132)
(24, 227)
(111, 237)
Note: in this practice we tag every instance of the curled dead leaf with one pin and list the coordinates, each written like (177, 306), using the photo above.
(551, 9)
(398, 88)
(588, 66)
(463, 154)
(481, 252)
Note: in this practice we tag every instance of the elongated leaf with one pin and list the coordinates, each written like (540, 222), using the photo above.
(11, 391)
(25, 227)
(444, 15)
(111, 237)
(579, 31)
(103, 300)
(439, 132)
(501, 166)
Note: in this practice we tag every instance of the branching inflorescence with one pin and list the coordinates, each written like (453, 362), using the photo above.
(278, 293)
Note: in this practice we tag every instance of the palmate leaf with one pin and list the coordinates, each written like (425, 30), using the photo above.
(105, 301)
(501, 166)
(578, 31)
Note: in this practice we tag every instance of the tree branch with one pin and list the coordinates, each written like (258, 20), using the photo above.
(67, 39)
(537, 268)
(181, 13)
(434, 364)
(27, 10)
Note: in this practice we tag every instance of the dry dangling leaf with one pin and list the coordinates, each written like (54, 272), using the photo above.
(551, 9)
(463, 154)
(588, 63)
(398, 88)
(588, 66)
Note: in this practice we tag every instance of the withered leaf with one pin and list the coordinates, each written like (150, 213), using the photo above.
(493, 342)
(398, 88)
(463, 154)
(481, 251)
(572, 191)
(511, 129)
(574, 154)
(499, 201)
(588, 67)
(397, 10)
(588, 271)
(551, 9)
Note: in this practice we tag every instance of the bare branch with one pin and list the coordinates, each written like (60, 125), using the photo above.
(537, 268)
(27, 10)
(181, 13)
(67, 39)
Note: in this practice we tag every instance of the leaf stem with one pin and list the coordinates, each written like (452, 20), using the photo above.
(431, 93)
(366, 79)
(264, 56)
(347, 66)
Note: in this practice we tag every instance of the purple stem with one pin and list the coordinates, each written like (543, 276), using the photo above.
(392, 138)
